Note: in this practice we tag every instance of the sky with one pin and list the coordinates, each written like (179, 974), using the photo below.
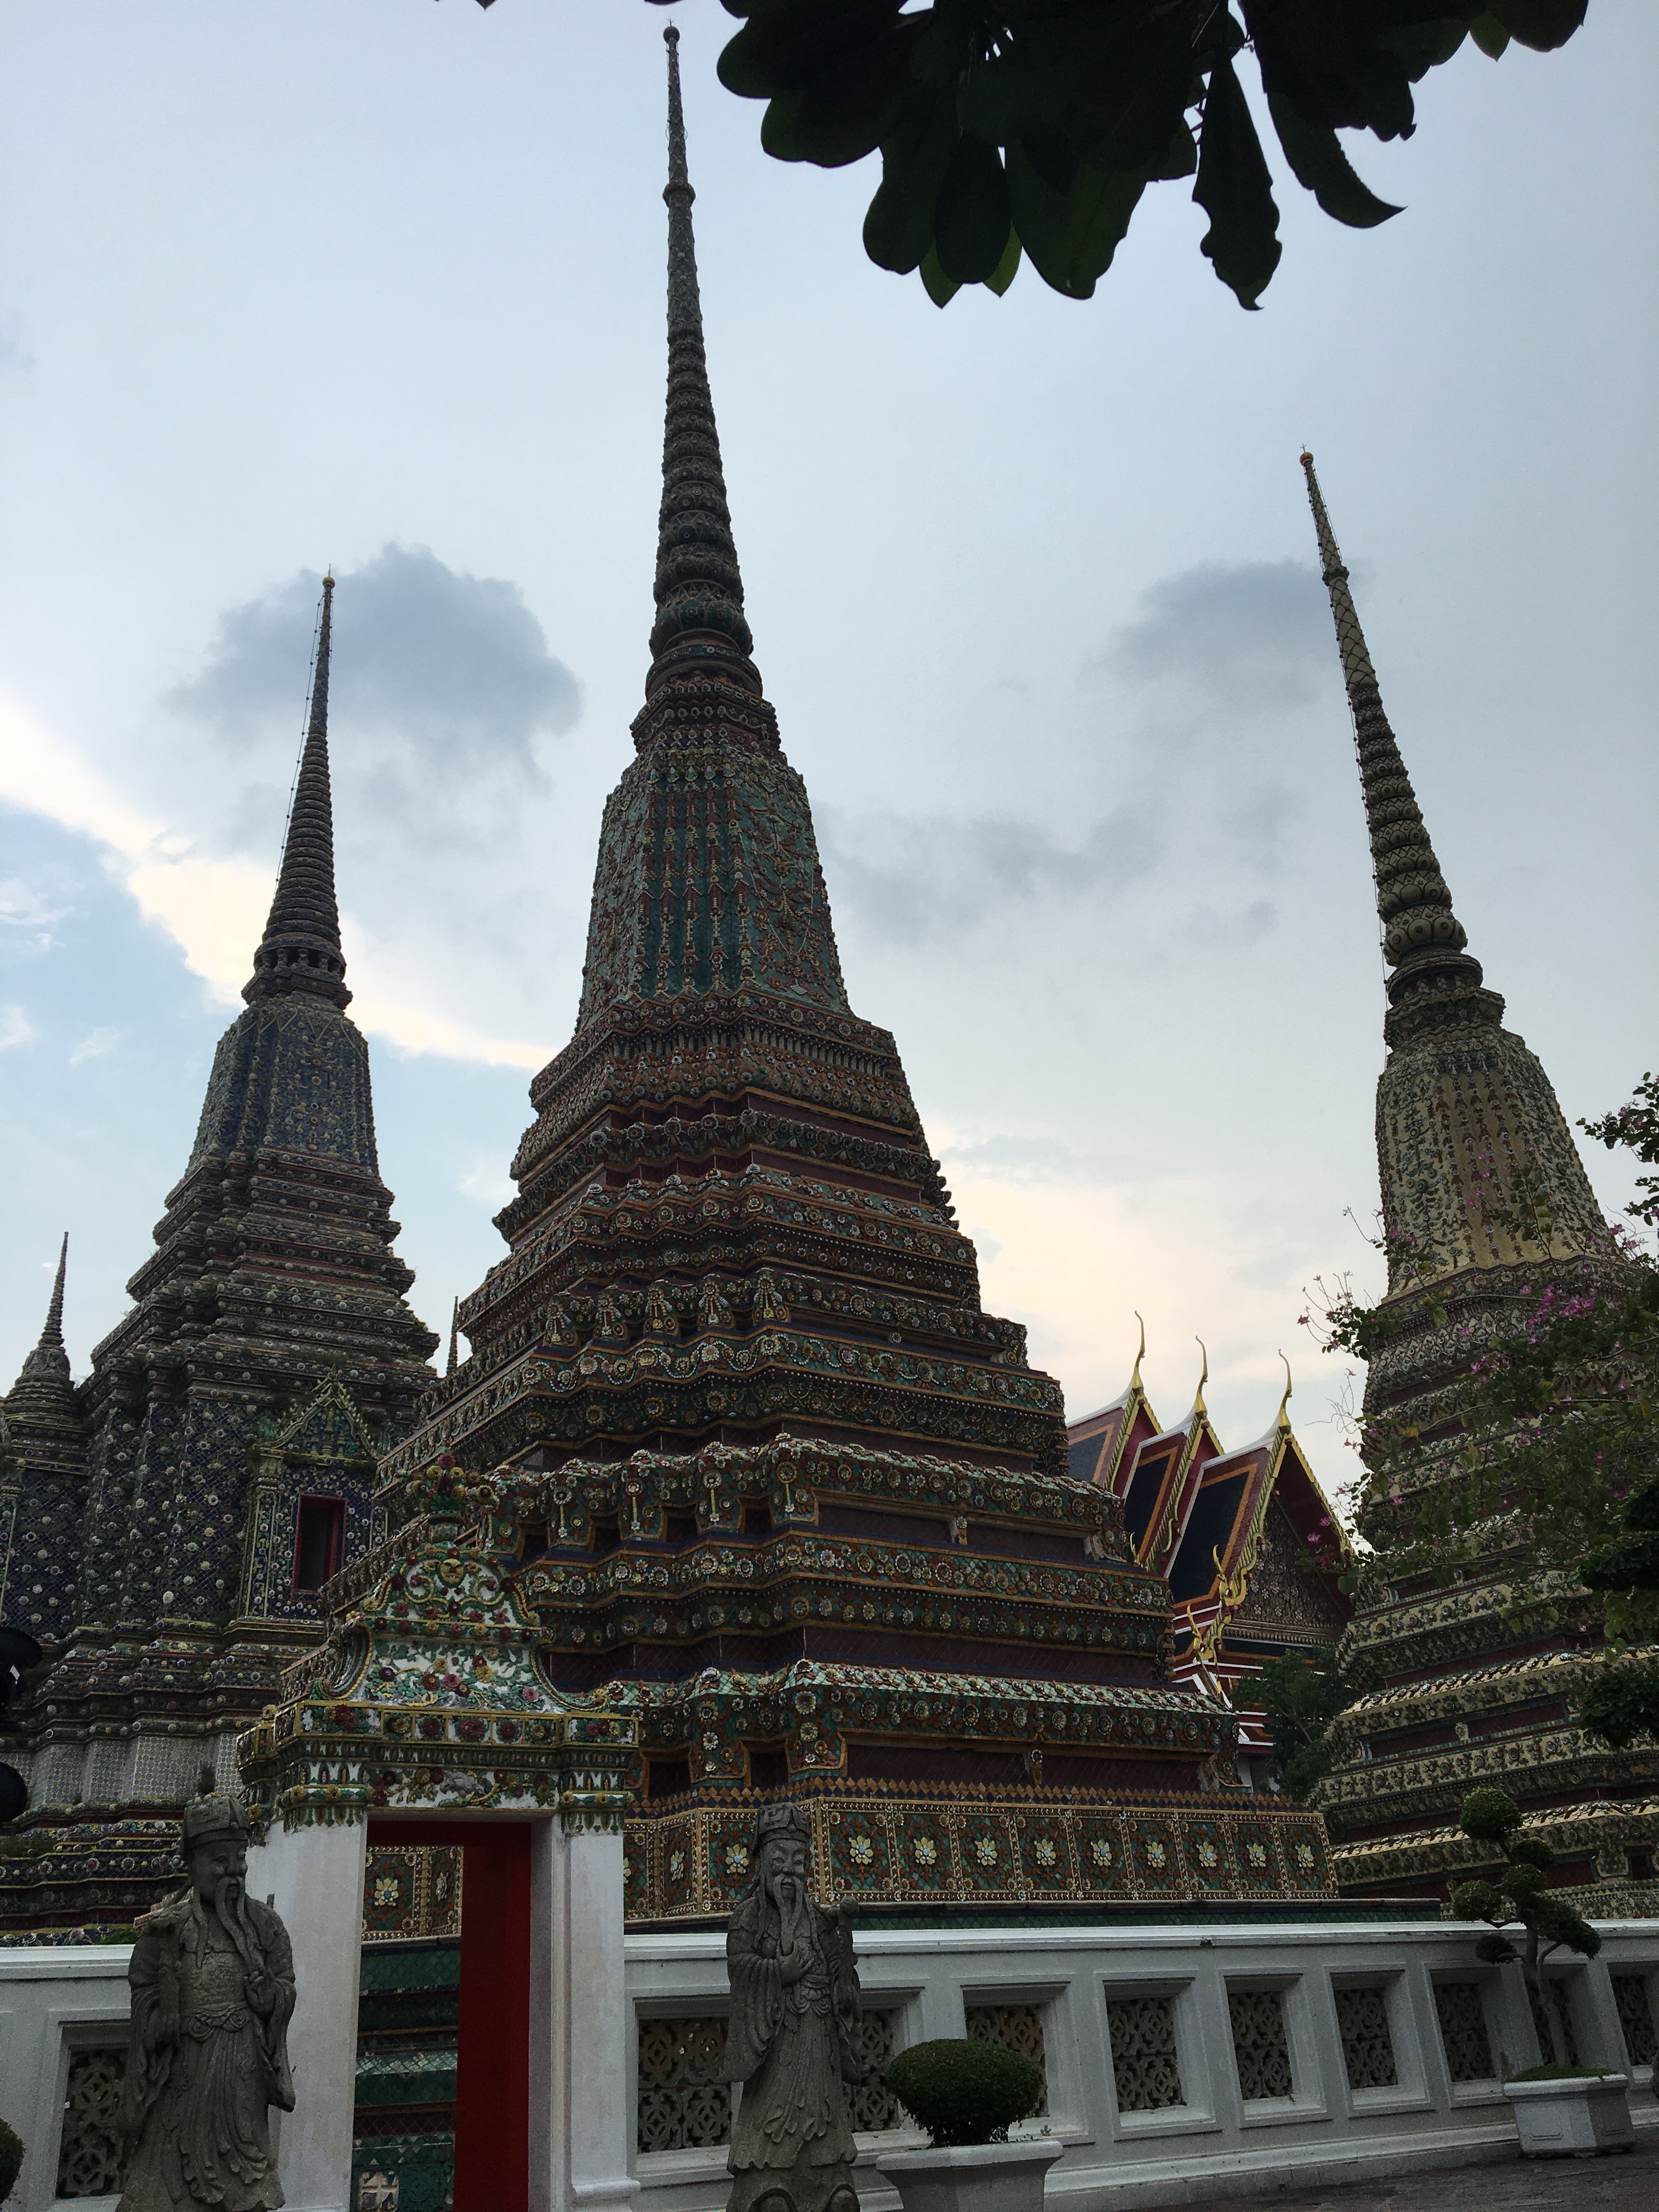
(1032, 588)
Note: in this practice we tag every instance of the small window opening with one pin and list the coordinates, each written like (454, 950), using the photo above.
(769, 1766)
(607, 1534)
(681, 1527)
(757, 1519)
(318, 1542)
(667, 1777)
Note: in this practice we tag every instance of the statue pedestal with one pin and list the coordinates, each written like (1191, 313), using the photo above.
(313, 1877)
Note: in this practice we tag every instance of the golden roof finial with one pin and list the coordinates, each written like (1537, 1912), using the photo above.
(1199, 1407)
(1134, 1379)
(1282, 1422)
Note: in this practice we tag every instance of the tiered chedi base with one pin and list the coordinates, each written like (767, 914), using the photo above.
(957, 1667)
(1478, 1682)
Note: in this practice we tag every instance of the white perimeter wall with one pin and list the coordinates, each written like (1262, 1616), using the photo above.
(55, 2002)
(1213, 2143)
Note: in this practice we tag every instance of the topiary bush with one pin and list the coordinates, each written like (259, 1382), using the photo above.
(964, 2091)
(11, 2159)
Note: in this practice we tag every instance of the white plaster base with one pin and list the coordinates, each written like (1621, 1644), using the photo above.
(1572, 2119)
(1005, 2176)
(314, 1878)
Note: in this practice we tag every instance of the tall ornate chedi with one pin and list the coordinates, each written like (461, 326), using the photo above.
(1484, 1206)
(173, 1531)
(783, 1494)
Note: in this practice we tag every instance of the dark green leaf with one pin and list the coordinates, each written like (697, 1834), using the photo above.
(1319, 162)
(1180, 157)
(1489, 35)
(941, 289)
(1007, 269)
(899, 226)
(1541, 24)
(841, 116)
(1424, 46)
(1235, 191)
(972, 214)
(1070, 236)
(786, 45)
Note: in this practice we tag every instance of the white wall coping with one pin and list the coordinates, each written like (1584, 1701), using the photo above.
(1151, 1935)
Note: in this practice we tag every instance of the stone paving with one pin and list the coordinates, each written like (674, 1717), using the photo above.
(1627, 2181)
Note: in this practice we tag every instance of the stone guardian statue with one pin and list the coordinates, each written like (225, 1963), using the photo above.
(212, 1978)
(790, 2039)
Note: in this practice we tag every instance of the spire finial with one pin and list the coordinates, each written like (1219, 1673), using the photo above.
(1421, 932)
(300, 948)
(1134, 1379)
(454, 1337)
(1282, 1422)
(1204, 1377)
(51, 1336)
(699, 590)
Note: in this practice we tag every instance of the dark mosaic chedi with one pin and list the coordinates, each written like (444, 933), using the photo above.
(780, 1493)
(174, 1516)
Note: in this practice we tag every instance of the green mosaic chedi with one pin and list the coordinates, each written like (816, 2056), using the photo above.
(229, 1428)
(1485, 1205)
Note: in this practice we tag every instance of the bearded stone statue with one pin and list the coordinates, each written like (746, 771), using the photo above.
(790, 2039)
(212, 1978)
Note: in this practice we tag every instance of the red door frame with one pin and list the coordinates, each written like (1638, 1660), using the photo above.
(492, 2071)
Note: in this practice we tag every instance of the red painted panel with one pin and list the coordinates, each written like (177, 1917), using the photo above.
(492, 2080)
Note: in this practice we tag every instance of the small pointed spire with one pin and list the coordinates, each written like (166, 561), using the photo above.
(699, 590)
(1134, 1379)
(52, 1335)
(300, 948)
(1283, 1421)
(454, 1338)
(1421, 932)
(42, 1398)
(1198, 1406)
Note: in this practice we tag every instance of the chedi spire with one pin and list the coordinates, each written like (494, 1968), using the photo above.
(699, 590)
(1421, 935)
(301, 948)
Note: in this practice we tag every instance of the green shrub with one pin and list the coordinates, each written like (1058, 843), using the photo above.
(964, 2091)
(11, 2159)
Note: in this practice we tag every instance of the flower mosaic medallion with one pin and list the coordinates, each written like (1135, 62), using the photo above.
(924, 1851)
(1044, 1853)
(861, 1849)
(1101, 1854)
(737, 1859)
(985, 1851)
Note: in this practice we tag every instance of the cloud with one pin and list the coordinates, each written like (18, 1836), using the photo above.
(94, 1046)
(16, 1027)
(444, 666)
(1252, 634)
(215, 908)
(908, 874)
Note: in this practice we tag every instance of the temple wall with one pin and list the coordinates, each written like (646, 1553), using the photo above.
(1148, 2038)
(1139, 2016)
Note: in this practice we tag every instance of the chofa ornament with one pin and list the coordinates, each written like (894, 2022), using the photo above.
(212, 1978)
(792, 2041)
